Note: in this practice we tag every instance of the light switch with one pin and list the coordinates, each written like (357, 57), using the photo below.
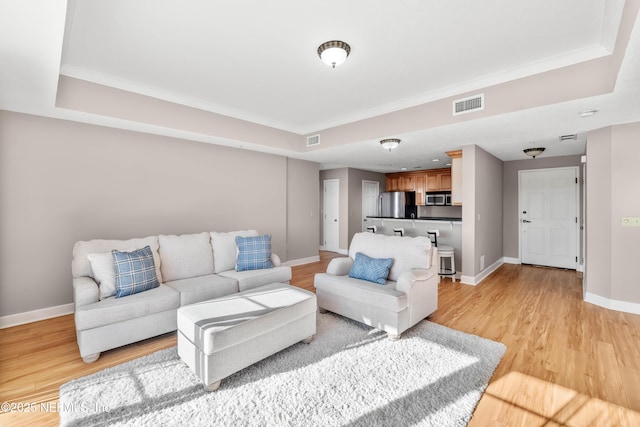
(631, 221)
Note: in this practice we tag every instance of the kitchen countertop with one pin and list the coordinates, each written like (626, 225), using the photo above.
(422, 218)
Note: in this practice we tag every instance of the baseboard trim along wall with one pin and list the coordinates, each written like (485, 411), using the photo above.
(302, 261)
(510, 260)
(340, 251)
(612, 304)
(35, 315)
(474, 280)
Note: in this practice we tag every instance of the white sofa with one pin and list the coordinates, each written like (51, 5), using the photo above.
(190, 268)
(409, 295)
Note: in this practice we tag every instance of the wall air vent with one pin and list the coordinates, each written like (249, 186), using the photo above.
(469, 104)
(571, 137)
(313, 140)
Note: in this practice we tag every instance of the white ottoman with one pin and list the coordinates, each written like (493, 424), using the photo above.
(219, 337)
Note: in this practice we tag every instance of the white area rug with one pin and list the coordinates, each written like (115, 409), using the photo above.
(349, 375)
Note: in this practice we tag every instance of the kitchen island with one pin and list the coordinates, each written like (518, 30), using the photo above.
(450, 230)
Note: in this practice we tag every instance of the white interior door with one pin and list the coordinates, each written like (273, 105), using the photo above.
(332, 215)
(370, 191)
(548, 201)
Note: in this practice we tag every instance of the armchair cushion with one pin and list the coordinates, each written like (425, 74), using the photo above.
(371, 269)
(407, 252)
(339, 266)
(356, 292)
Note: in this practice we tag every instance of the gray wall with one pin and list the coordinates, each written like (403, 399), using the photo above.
(64, 181)
(481, 209)
(350, 200)
(356, 176)
(510, 213)
(303, 209)
(612, 177)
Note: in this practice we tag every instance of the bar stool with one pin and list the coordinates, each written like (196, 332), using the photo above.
(444, 253)
(372, 228)
(399, 231)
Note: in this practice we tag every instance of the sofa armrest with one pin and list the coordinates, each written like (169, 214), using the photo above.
(415, 277)
(85, 291)
(275, 260)
(339, 266)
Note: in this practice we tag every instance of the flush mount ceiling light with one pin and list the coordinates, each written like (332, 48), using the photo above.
(333, 52)
(390, 143)
(533, 152)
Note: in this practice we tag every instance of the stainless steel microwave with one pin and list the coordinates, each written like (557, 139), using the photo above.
(435, 199)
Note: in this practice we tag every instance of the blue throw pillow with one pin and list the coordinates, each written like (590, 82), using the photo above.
(371, 269)
(135, 271)
(254, 253)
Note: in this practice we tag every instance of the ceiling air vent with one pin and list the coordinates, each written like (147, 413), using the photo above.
(468, 105)
(571, 137)
(313, 140)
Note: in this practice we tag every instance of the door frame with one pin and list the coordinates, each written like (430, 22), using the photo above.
(576, 169)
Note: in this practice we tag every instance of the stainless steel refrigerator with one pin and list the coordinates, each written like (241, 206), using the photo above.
(397, 204)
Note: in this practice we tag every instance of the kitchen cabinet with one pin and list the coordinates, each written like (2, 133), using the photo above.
(393, 182)
(420, 182)
(456, 177)
(439, 180)
(401, 182)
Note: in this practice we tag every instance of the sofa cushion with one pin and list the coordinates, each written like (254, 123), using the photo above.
(407, 252)
(81, 267)
(374, 270)
(253, 278)
(185, 256)
(135, 271)
(357, 291)
(254, 253)
(103, 273)
(115, 310)
(203, 288)
(225, 251)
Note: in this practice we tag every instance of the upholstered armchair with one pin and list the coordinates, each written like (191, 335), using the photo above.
(407, 295)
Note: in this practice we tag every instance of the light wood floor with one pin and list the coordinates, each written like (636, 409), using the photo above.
(567, 363)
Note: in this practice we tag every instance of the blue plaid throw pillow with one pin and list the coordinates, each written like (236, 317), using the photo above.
(254, 253)
(371, 269)
(135, 271)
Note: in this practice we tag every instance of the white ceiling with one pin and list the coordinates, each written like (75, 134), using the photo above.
(257, 61)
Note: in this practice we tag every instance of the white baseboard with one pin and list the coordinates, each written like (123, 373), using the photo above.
(510, 260)
(35, 315)
(612, 304)
(301, 261)
(474, 280)
(340, 251)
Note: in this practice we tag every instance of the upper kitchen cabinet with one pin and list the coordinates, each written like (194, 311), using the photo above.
(400, 182)
(438, 180)
(456, 177)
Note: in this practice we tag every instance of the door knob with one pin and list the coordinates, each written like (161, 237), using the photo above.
(526, 221)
